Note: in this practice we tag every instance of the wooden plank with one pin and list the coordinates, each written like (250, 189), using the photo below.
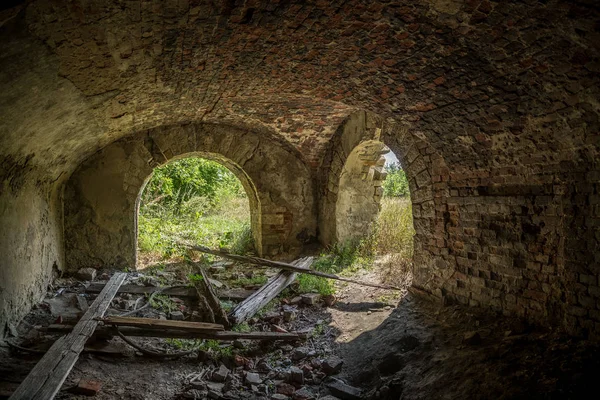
(176, 291)
(247, 308)
(46, 378)
(204, 288)
(283, 266)
(108, 331)
(163, 324)
(236, 294)
(231, 294)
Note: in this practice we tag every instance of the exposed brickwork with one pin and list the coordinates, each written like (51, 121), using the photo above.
(492, 107)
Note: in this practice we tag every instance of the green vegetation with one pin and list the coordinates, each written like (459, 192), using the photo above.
(243, 327)
(395, 184)
(254, 281)
(163, 302)
(197, 200)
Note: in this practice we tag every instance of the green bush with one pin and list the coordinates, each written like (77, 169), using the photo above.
(193, 200)
(395, 184)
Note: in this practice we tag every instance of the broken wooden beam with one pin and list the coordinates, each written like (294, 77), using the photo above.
(205, 289)
(230, 294)
(284, 266)
(148, 323)
(136, 289)
(108, 331)
(247, 308)
(46, 378)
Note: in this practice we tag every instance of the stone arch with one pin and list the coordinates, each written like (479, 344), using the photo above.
(427, 176)
(238, 171)
(102, 195)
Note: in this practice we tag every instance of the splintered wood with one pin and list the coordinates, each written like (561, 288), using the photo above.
(247, 308)
(46, 378)
(209, 299)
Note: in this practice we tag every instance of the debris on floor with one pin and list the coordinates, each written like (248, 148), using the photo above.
(367, 343)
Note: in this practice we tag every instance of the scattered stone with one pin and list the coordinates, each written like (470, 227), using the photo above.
(303, 394)
(472, 338)
(176, 316)
(296, 375)
(300, 353)
(343, 391)
(296, 300)
(238, 344)
(253, 378)
(286, 389)
(329, 300)
(289, 315)
(221, 374)
(214, 390)
(87, 387)
(328, 397)
(333, 365)
(86, 274)
(311, 298)
(279, 396)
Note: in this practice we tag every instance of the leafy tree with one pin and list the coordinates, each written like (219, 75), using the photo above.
(395, 184)
(175, 183)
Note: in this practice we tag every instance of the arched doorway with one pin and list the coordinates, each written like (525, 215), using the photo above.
(203, 198)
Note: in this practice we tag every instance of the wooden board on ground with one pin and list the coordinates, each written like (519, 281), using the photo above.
(247, 308)
(230, 294)
(236, 294)
(46, 378)
(108, 331)
(199, 327)
(135, 289)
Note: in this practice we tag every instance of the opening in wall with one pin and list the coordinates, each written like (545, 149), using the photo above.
(196, 200)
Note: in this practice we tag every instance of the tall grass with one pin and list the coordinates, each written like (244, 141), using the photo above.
(394, 231)
(219, 220)
(391, 240)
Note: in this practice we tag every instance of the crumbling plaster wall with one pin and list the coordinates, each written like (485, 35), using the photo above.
(101, 197)
(359, 192)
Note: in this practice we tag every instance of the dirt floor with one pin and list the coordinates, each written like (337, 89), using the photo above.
(390, 345)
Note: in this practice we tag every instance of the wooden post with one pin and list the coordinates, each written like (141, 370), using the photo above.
(46, 378)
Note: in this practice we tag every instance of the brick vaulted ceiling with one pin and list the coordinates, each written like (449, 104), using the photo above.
(487, 84)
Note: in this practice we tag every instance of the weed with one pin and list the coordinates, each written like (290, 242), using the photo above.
(318, 330)
(184, 344)
(315, 284)
(163, 302)
(216, 348)
(243, 327)
(195, 277)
